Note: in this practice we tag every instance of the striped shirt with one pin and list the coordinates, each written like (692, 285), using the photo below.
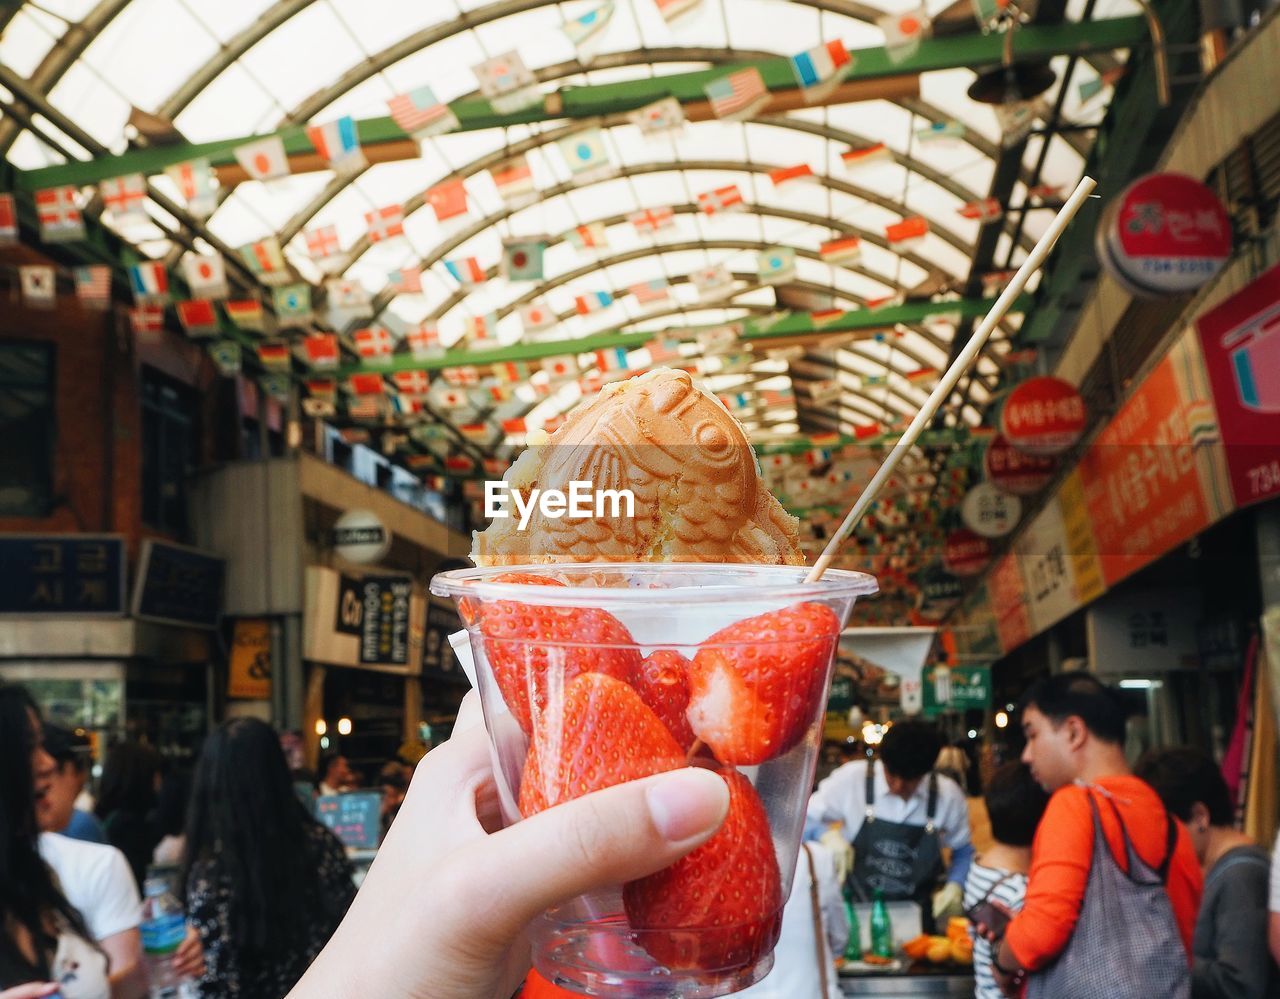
(997, 885)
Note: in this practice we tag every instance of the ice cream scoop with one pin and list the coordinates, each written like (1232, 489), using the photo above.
(685, 461)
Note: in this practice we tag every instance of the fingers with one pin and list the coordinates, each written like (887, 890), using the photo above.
(602, 839)
(469, 713)
(32, 990)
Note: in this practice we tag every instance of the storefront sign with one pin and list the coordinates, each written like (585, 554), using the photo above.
(80, 574)
(965, 553)
(437, 656)
(1043, 416)
(384, 626)
(360, 537)
(1014, 472)
(989, 512)
(178, 585)
(1166, 234)
(964, 688)
(249, 668)
(355, 818)
(1008, 598)
(1241, 344)
(1043, 559)
(841, 697)
(1138, 633)
(939, 590)
(349, 615)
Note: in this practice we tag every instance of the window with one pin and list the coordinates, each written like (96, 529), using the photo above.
(27, 429)
(169, 435)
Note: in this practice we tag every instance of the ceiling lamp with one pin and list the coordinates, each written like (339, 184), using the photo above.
(1010, 83)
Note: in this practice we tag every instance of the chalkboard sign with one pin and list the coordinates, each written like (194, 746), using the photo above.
(81, 574)
(437, 655)
(384, 627)
(355, 818)
(178, 585)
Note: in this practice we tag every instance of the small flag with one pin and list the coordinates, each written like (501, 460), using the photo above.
(738, 95)
(39, 286)
(672, 9)
(662, 350)
(322, 388)
(651, 292)
(909, 230)
(1044, 192)
(246, 314)
(322, 350)
(385, 223)
(93, 287)
(921, 375)
(522, 259)
(149, 282)
(712, 282)
(514, 180)
(582, 30)
(277, 385)
(612, 359)
(719, 339)
(292, 304)
(481, 331)
(322, 244)
(506, 83)
(801, 171)
(448, 199)
(60, 219)
(845, 250)
(227, 357)
(941, 130)
(319, 408)
(424, 341)
(338, 143)
(206, 275)
(722, 199)
(374, 344)
(1018, 118)
(824, 317)
(346, 295)
(197, 184)
(560, 367)
(820, 70)
(941, 323)
(778, 397)
(146, 320)
(266, 261)
(8, 220)
(451, 398)
(462, 376)
(274, 355)
(885, 302)
(536, 317)
(420, 115)
(777, 265)
(985, 210)
(459, 463)
(263, 159)
(993, 282)
(198, 317)
(510, 372)
(592, 236)
(365, 383)
(662, 117)
(653, 219)
(411, 382)
(585, 154)
(405, 281)
(824, 390)
(125, 197)
(516, 425)
(466, 271)
(903, 32)
(855, 159)
(591, 302)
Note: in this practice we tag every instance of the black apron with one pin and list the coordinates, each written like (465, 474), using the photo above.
(903, 861)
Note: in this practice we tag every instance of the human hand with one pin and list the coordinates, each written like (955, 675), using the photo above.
(839, 848)
(947, 901)
(443, 910)
(188, 959)
(31, 990)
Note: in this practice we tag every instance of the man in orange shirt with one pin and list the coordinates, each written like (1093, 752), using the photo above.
(1074, 727)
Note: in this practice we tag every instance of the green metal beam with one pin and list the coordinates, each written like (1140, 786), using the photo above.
(963, 51)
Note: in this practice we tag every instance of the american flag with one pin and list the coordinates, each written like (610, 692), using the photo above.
(448, 199)
(405, 281)
(661, 351)
(322, 242)
(8, 220)
(385, 223)
(59, 215)
(125, 196)
(367, 408)
(649, 292)
(93, 286)
(374, 344)
(738, 95)
(722, 199)
(653, 219)
(411, 382)
(420, 114)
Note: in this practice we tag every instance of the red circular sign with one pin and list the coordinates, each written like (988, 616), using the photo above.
(1166, 234)
(965, 553)
(1011, 471)
(1043, 416)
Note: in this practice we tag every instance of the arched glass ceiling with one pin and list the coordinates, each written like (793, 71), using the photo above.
(246, 66)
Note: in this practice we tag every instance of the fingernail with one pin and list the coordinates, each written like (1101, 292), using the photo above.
(687, 803)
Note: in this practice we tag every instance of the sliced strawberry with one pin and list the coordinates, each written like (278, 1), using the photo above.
(719, 907)
(602, 734)
(468, 609)
(664, 686)
(753, 686)
(533, 650)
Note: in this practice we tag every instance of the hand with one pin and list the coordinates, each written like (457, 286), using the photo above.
(32, 990)
(840, 849)
(440, 857)
(947, 901)
(188, 959)
(1008, 974)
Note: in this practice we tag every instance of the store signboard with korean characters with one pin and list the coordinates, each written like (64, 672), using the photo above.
(1008, 597)
(1143, 632)
(1044, 558)
(1043, 416)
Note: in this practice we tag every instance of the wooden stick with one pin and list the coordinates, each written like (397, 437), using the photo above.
(952, 375)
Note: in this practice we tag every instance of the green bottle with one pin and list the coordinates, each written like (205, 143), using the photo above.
(853, 949)
(881, 928)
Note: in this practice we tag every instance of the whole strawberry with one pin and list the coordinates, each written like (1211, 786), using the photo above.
(602, 735)
(754, 686)
(663, 683)
(469, 609)
(720, 907)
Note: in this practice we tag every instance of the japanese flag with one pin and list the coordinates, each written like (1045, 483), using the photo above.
(264, 159)
(903, 32)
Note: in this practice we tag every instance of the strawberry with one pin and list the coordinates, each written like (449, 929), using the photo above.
(664, 686)
(600, 734)
(719, 907)
(533, 650)
(469, 609)
(753, 686)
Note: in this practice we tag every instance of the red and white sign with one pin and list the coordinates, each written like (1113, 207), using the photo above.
(1043, 416)
(965, 553)
(1011, 471)
(1166, 234)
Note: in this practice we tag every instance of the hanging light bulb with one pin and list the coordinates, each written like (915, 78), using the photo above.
(321, 726)
(344, 726)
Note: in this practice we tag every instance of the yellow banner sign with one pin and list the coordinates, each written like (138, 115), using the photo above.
(249, 675)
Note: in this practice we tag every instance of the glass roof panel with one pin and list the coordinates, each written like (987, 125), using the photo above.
(27, 39)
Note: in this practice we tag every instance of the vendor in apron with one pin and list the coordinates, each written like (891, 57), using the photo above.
(898, 814)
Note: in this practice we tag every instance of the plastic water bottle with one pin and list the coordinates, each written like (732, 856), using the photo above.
(164, 926)
(881, 927)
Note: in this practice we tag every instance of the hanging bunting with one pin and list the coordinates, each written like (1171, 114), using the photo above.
(374, 344)
(385, 223)
(323, 247)
(206, 275)
(59, 215)
(246, 314)
(506, 83)
(149, 282)
(651, 292)
(737, 96)
(592, 236)
(903, 33)
(785, 175)
(322, 350)
(719, 339)
(867, 156)
(712, 282)
(908, 232)
(39, 286)
(126, 198)
(274, 355)
(481, 331)
(845, 250)
(984, 210)
(673, 9)
(263, 159)
(522, 258)
(941, 131)
(585, 155)
(776, 265)
(266, 261)
(292, 304)
(663, 117)
(652, 220)
(412, 383)
(721, 199)
(589, 27)
(536, 317)
(448, 199)
(662, 350)
(197, 184)
(612, 359)
(514, 180)
(466, 271)
(405, 281)
(560, 367)
(420, 115)
(592, 301)
(146, 321)
(424, 341)
(227, 357)
(339, 144)
(93, 287)
(198, 317)
(818, 71)
(463, 376)
(346, 299)
(8, 220)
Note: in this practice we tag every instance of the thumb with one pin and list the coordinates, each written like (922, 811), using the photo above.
(601, 839)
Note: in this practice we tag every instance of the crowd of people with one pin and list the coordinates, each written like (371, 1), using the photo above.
(1093, 877)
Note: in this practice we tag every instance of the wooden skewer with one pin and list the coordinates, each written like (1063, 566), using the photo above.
(953, 373)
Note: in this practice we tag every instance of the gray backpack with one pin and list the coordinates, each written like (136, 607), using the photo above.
(1126, 943)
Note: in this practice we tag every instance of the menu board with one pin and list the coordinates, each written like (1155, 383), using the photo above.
(384, 624)
(80, 574)
(355, 818)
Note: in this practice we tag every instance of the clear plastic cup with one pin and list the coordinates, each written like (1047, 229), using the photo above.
(561, 669)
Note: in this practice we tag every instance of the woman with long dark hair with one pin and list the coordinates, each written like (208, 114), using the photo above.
(127, 803)
(266, 884)
(43, 940)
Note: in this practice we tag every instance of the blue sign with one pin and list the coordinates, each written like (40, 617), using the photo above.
(355, 818)
(62, 574)
(178, 585)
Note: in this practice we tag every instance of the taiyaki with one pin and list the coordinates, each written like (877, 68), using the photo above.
(698, 495)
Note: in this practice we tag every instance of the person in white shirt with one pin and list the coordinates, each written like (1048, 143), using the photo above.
(898, 814)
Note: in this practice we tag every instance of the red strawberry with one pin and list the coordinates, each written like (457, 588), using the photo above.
(753, 686)
(720, 907)
(602, 734)
(468, 608)
(664, 686)
(533, 650)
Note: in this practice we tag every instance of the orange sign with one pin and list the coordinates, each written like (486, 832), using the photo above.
(1009, 602)
(249, 669)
